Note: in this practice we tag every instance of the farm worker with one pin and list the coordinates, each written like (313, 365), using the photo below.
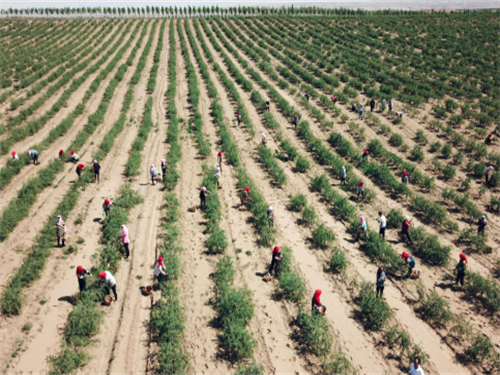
(383, 101)
(481, 224)
(79, 169)
(343, 175)
(159, 269)
(307, 96)
(74, 156)
(276, 257)
(488, 172)
(61, 153)
(390, 105)
(416, 369)
(334, 100)
(408, 259)
(264, 139)
(163, 168)
(270, 216)
(354, 108)
(372, 105)
(14, 156)
(126, 240)
(219, 159)
(110, 282)
(60, 231)
(489, 139)
(203, 196)
(217, 174)
(80, 274)
(34, 155)
(380, 281)
(404, 177)
(399, 114)
(268, 105)
(238, 117)
(461, 267)
(153, 172)
(383, 223)
(316, 303)
(106, 206)
(405, 228)
(365, 154)
(96, 168)
(362, 227)
(361, 109)
(296, 120)
(341, 134)
(244, 195)
(360, 189)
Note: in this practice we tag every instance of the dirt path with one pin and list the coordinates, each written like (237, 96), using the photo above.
(25, 232)
(53, 287)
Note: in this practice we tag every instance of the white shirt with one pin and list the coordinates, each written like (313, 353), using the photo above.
(383, 221)
(109, 280)
(158, 269)
(217, 171)
(418, 371)
(74, 157)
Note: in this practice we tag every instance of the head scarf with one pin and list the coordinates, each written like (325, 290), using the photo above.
(95, 161)
(203, 188)
(367, 152)
(124, 229)
(405, 174)
(317, 293)
(247, 189)
(239, 113)
(276, 250)
(343, 168)
(463, 257)
(160, 261)
(107, 202)
(490, 135)
(270, 208)
(13, 154)
(483, 219)
(361, 184)
(102, 275)
(340, 133)
(81, 166)
(163, 161)
(72, 152)
(379, 271)
(361, 218)
(79, 270)
(405, 255)
(61, 152)
(220, 153)
(263, 136)
(59, 218)
(151, 167)
(407, 218)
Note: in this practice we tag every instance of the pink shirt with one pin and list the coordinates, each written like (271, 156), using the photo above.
(124, 236)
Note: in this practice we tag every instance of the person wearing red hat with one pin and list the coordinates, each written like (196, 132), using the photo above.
(489, 139)
(106, 206)
(79, 169)
(238, 117)
(405, 229)
(110, 282)
(461, 267)
(410, 261)
(334, 100)
(276, 257)
(295, 120)
(365, 155)
(80, 274)
(74, 156)
(244, 195)
(360, 189)
(404, 177)
(219, 160)
(61, 153)
(316, 303)
(159, 269)
(14, 156)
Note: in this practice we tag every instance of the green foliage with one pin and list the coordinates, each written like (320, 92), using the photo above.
(322, 236)
(421, 138)
(417, 154)
(435, 147)
(302, 164)
(297, 202)
(434, 308)
(374, 312)
(446, 151)
(252, 368)
(338, 260)
(309, 216)
(267, 158)
(314, 333)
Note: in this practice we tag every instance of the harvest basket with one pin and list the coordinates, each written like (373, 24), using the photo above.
(192, 209)
(107, 300)
(148, 290)
(268, 278)
(415, 275)
(322, 310)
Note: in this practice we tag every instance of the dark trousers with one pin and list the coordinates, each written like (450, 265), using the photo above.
(163, 171)
(127, 251)
(59, 238)
(380, 290)
(382, 232)
(97, 177)
(152, 179)
(35, 159)
(159, 277)
(273, 263)
(372, 108)
(342, 181)
(113, 288)
(407, 234)
(78, 172)
(460, 277)
(82, 283)
(362, 193)
(410, 270)
(202, 202)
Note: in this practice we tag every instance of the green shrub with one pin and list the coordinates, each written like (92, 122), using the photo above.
(309, 216)
(396, 140)
(446, 151)
(435, 147)
(394, 218)
(302, 165)
(338, 261)
(314, 333)
(297, 202)
(478, 170)
(292, 286)
(421, 138)
(480, 348)
(322, 236)
(417, 154)
(434, 308)
(253, 368)
(458, 157)
(394, 338)
(449, 172)
(375, 312)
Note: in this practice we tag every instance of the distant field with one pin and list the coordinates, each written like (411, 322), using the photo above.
(130, 92)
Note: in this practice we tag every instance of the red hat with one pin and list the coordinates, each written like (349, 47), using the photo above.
(361, 184)
(463, 257)
(13, 153)
(239, 112)
(220, 153)
(107, 202)
(366, 152)
(405, 174)
(61, 151)
(102, 275)
(405, 255)
(490, 135)
(160, 259)
(79, 270)
(317, 293)
(72, 152)
(81, 166)
(247, 189)
(276, 249)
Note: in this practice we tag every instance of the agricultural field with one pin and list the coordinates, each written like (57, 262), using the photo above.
(131, 88)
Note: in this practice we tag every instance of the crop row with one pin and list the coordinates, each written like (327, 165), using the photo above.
(12, 299)
(156, 60)
(86, 317)
(14, 167)
(167, 319)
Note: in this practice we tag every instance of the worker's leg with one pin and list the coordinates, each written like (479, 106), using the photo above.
(114, 292)
(158, 278)
(82, 284)
(460, 277)
(382, 232)
(273, 261)
(408, 236)
(58, 241)
(127, 251)
(63, 239)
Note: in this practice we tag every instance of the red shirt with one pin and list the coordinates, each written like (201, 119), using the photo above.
(81, 166)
